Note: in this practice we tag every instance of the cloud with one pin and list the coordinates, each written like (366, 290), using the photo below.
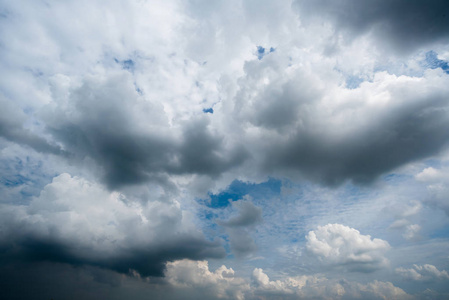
(342, 246)
(437, 181)
(399, 120)
(425, 272)
(116, 119)
(129, 137)
(402, 25)
(240, 226)
(224, 284)
(403, 212)
(249, 215)
(12, 128)
(78, 222)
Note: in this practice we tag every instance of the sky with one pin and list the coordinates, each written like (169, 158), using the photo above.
(234, 149)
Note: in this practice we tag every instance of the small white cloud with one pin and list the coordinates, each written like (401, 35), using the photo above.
(423, 273)
(339, 245)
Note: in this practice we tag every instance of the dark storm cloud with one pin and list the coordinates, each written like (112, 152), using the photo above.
(404, 133)
(129, 137)
(405, 24)
(148, 261)
(201, 151)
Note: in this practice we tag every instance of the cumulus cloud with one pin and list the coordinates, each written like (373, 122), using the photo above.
(129, 137)
(150, 104)
(195, 275)
(342, 246)
(224, 284)
(79, 222)
(394, 120)
(423, 273)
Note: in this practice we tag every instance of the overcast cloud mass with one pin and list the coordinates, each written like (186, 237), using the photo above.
(224, 149)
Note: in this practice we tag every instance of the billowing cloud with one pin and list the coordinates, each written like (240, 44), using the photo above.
(118, 122)
(196, 278)
(195, 275)
(393, 120)
(423, 273)
(342, 246)
(129, 137)
(79, 222)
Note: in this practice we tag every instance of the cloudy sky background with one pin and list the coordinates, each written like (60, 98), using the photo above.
(224, 149)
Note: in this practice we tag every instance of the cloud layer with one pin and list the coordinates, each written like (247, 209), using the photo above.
(144, 144)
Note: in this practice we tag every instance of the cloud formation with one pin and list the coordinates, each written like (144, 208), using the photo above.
(423, 273)
(119, 122)
(224, 284)
(402, 25)
(239, 227)
(79, 222)
(342, 246)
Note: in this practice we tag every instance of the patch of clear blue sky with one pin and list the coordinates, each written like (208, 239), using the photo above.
(209, 110)
(261, 51)
(433, 62)
(21, 179)
(238, 189)
(353, 82)
(127, 64)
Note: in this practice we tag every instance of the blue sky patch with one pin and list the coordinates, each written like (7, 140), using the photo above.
(127, 64)
(209, 110)
(353, 82)
(238, 189)
(261, 51)
(433, 62)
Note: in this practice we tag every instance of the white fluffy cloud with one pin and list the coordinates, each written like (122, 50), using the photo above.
(221, 283)
(195, 278)
(339, 245)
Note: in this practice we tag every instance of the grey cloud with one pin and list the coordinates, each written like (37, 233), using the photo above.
(201, 151)
(77, 222)
(249, 215)
(130, 138)
(339, 136)
(239, 227)
(400, 136)
(404, 25)
(148, 261)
